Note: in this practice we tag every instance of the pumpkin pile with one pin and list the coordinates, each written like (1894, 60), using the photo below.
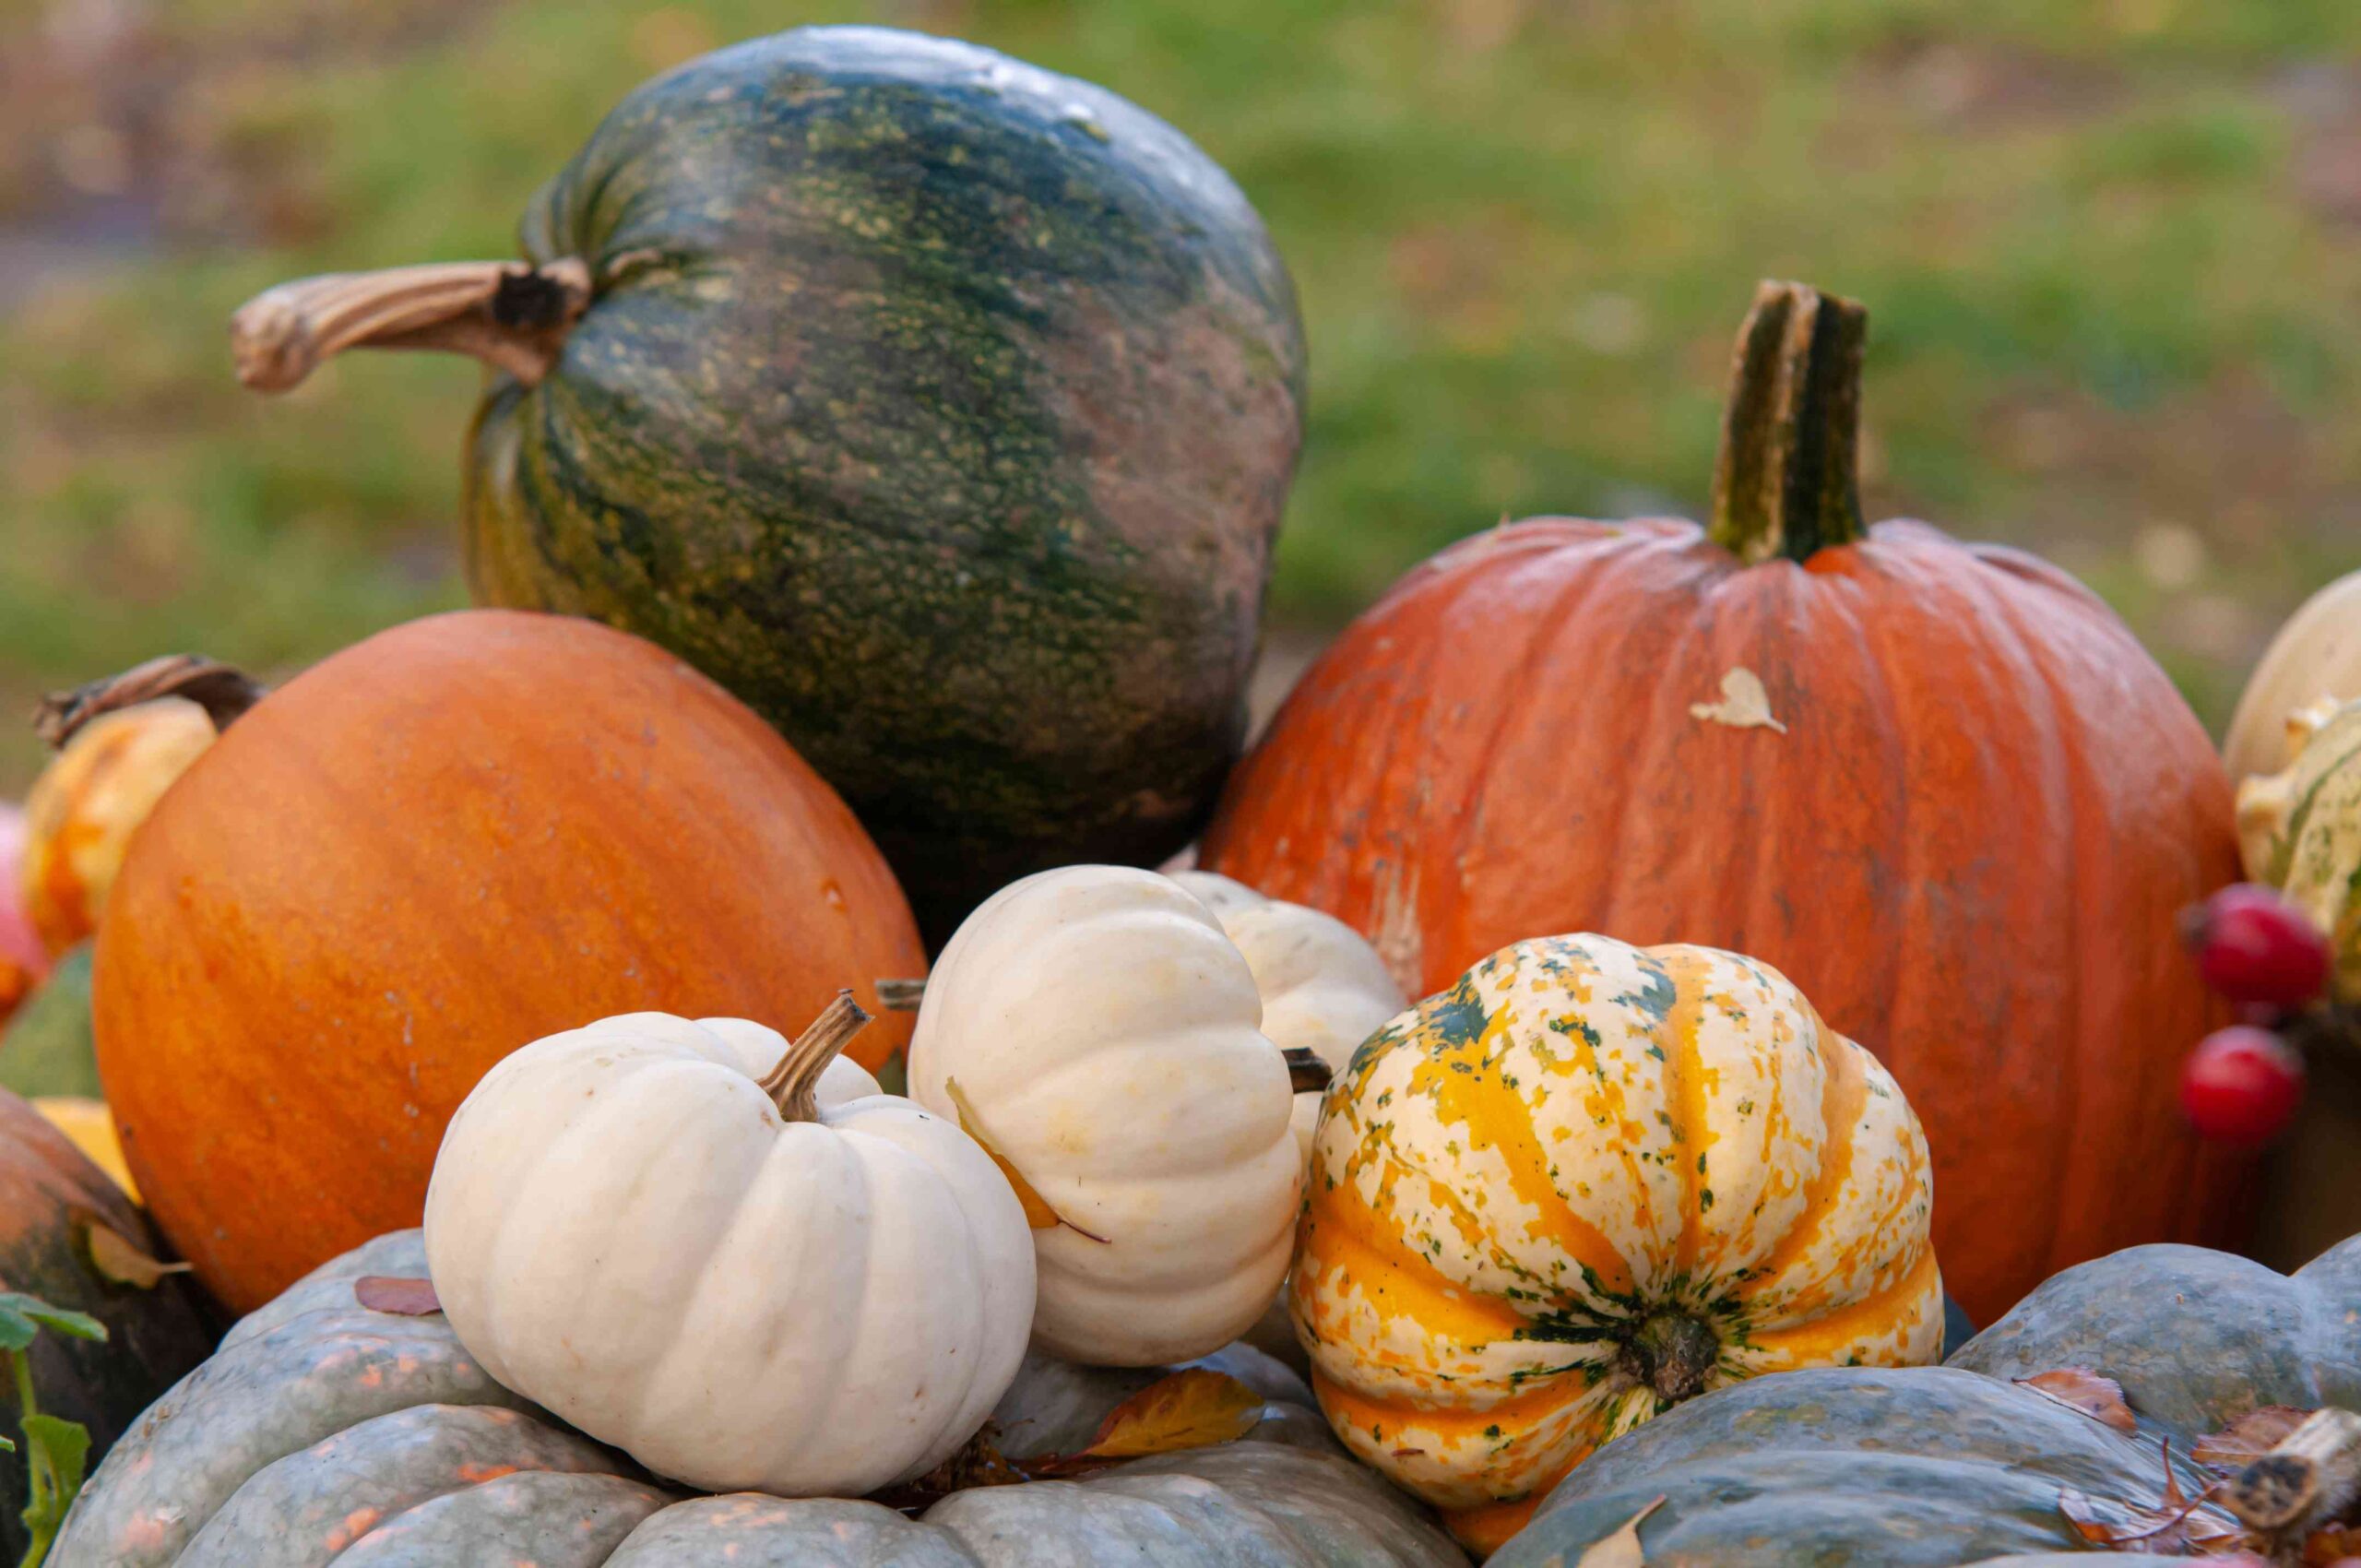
(688, 1060)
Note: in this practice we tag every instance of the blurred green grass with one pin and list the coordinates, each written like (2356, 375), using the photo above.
(2111, 251)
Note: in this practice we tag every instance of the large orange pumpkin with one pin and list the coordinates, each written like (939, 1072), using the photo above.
(1938, 785)
(437, 846)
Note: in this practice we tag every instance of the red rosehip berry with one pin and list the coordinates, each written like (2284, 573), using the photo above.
(2253, 947)
(2241, 1085)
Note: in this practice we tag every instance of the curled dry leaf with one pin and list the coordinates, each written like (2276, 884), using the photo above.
(1194, 1408)
(2248, 1438)
(1744, 705)
(2078, 1388)
(1037, 1212)
(2175, 1524)
(403, 1296)
(1620, 1549)
(125, 1261)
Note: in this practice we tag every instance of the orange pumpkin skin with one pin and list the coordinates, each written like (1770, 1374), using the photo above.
(1967, 845)
(437, 846)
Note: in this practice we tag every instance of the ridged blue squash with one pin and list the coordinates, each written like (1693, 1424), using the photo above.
(943, 408)
(1932, 1467)
(323, 1434)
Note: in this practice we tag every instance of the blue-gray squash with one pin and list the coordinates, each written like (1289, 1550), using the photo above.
(1935, 1466)
(324, 1432)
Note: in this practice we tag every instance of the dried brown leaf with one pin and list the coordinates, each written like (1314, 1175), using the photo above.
(402, 1296)
(2333, 1546)
(2175, 1524)
(1196, 1407)
(2078, 1388)
(1037, 1212)
(2248, 1438)
(2162, 1528)
(1620, 1549)
(119, 1258)
(979, 1462)
(1744, 705)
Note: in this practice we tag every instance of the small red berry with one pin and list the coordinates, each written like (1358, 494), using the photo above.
(2254, 946)
(2241, 1085)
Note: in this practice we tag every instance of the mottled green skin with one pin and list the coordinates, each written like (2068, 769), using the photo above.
(325, 1434)
(49, 1194)
(47, 1047)
(1936, 1466)
(943, 410)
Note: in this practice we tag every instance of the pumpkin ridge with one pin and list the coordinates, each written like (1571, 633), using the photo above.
(1683, 1070)
(1538, 1393)
(1463, 1081)
(1901, 800)
(1659, 740)
(1397, 1268)
(2073, 779)
(1844, 1089)
(1808, 1342)
(1540, 648)
(622, 1113)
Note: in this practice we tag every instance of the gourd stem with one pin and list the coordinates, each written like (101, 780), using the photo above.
(223, 692)
(1786, 480)
(1307, 1074)
(1673, 1354)
(793, 1084)
(511, 316)
(2311, 1476)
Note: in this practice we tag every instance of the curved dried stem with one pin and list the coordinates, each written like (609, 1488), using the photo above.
(793, 1084)
(222, 691)
(512, 317)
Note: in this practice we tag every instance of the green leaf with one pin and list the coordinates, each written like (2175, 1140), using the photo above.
(22, 1317)
(60, 1450)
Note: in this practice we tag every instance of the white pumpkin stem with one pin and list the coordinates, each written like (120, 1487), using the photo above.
(513, 317)
(794, 1082)
(223, 693)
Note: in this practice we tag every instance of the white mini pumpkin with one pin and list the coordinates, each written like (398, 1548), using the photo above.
(731, 1255)
(1095, 1028)
(1324, 988)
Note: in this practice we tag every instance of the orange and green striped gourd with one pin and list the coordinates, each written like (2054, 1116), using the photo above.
(1583, 1183)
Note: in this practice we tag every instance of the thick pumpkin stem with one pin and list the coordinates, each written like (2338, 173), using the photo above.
(512, 317)
(1673, 1354)
(223, 693)
(1786, 483)
(794, 1082)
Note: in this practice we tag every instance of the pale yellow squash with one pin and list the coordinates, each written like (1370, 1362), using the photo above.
(2316, 654)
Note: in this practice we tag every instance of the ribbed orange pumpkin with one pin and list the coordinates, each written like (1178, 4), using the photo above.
(436, 846)
(1939, 786)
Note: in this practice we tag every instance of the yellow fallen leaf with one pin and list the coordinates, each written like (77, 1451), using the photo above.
(125, 1261)
(90, 1126)
(1620, 1549)
(1196, 1407)
(1037, 1212)
(1744, 705)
